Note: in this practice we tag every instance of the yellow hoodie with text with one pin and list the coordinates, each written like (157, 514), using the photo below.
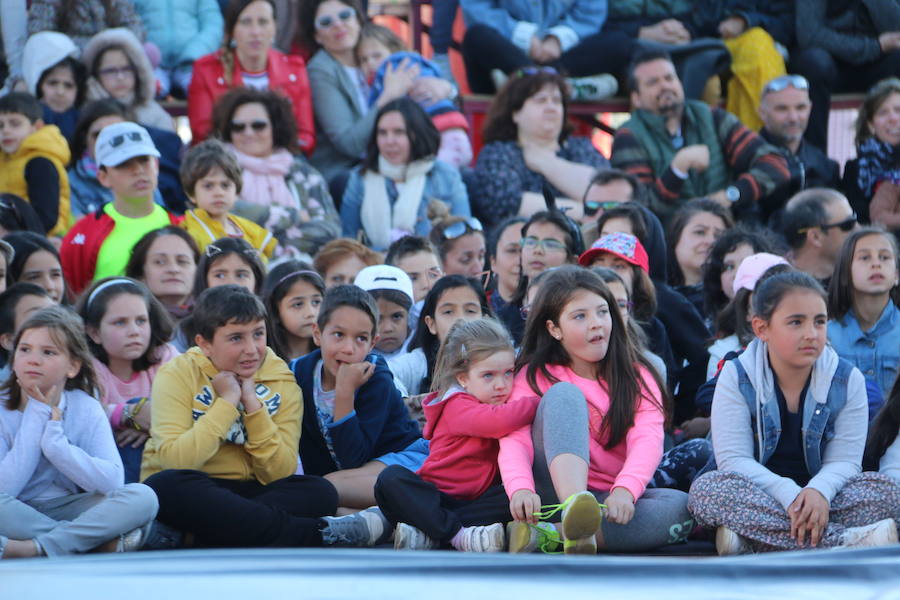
(47, 142)
(194, 429)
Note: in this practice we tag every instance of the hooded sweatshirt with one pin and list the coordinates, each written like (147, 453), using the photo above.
(195, 429)
(734, 437)
(465, 439)
(47, 143)
(146, 110)
(42, 51)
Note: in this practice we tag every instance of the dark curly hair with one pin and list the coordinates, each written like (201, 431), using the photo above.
(499, 125)
(281, 117)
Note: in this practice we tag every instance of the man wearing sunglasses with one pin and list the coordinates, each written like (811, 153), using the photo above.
(784, 109)
(100, 244)
(683, 149)
(815, 224)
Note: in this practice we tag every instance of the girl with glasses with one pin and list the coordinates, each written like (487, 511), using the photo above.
(247, 59)
(119, 69)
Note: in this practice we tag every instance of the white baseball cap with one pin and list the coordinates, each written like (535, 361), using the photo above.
(384, 277)
(122, 141)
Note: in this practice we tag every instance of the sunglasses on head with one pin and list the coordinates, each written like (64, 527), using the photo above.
(257, 126)
(529, 71)
(846, 225)
(134, 136)
(779, 83)
(326, 21)
(461, 228)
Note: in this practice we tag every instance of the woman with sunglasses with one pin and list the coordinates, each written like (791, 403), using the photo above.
(280, 191)
(392, 193)
(344, 119)
(870, 180)
(527, 146)
(247, 58)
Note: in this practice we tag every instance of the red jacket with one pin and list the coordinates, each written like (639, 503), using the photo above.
(287, 74)
(465, 440)
(81, 246)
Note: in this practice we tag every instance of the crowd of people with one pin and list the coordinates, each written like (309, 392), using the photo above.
(333, 320)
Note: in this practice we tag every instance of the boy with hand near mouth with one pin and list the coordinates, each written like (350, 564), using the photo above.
(33, 159)
(100, 244)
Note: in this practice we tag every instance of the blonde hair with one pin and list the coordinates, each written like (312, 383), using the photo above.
(383, 35)
(467, 342)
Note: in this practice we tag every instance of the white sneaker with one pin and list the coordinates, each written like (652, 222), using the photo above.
(363, 529)
(134, 539)
(592, 88)
(729, 543)
(407, 537)
(487, 538)
(880, 533)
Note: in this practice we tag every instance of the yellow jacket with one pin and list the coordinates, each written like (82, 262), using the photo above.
(47, 142)
(205, 231)
(194, 429)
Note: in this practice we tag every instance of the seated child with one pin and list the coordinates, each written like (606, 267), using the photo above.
(33, 159)
(128, 330)
(415, 256)
(61, 487)
(293, 293)
(355, 423)
(392, 291)
(340, 260)
(36, 260)
(99, 244)
(229, 260)
(56, 78)
(212, 181)
(226, 419)
(380, 49)
(16, 304)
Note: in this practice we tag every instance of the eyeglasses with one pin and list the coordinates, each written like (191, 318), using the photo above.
(547, 245)
(779, 83)
(134, 136)
(257, 126)
(591, 208)
(116, 72)
(326, 21)
(461, 228)
(529, 71)
(846, 225)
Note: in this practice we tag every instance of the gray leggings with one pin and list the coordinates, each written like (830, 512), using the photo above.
(79, 522)
(561, 427)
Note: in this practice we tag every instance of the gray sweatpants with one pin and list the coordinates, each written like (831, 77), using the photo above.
(561, 427)
(76, 523)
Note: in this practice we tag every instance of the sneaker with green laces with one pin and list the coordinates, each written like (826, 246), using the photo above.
(524, 538)
(581, 516)
(592, 88)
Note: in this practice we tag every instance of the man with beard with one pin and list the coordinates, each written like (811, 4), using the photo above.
(784, 109)
(685, 149)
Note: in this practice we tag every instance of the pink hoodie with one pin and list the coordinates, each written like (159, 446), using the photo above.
(630, 464)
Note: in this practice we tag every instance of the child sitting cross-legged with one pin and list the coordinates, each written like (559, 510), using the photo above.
(212, 180)
(226, 421)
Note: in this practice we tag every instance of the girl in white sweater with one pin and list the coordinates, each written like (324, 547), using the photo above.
(61, 479)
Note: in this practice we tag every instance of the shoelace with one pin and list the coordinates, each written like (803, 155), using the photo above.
(547, 539)
(548, 510)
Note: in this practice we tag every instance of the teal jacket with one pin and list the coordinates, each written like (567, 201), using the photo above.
(184, 30)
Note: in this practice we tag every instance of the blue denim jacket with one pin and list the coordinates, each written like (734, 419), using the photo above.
(875, 352)
(520, 20)
(818, 418)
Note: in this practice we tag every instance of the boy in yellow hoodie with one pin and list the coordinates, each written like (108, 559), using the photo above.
(33, 159)
(225, 423)
(212, 179)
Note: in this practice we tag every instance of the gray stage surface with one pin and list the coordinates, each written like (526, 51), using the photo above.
(261, 574)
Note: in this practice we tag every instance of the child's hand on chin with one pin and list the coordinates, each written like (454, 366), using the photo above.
(51, 399)
(248, 395)
(350, 377)
(225, 385)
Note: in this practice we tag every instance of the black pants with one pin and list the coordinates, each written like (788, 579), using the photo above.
(484, 49)
(224, 512)
(827, 75)
(404, 497)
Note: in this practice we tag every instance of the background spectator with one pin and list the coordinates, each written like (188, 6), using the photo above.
(83, 19)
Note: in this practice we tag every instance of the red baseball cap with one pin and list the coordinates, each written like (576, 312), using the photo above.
(621, 245)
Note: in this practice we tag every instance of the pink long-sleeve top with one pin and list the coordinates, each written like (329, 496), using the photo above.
(629, 465)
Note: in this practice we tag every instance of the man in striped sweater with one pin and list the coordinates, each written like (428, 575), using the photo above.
(685, 149)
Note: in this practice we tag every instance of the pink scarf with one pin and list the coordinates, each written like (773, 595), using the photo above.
(264, 181)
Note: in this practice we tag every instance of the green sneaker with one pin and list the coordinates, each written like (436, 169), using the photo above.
(581, 516)
(525, 538)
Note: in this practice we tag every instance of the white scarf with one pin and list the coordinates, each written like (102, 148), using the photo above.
(376, 204)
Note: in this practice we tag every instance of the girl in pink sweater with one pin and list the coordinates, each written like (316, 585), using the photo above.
(128, 332)
(598, 431)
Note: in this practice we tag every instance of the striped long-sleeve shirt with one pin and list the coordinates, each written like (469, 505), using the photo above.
(755, 167)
